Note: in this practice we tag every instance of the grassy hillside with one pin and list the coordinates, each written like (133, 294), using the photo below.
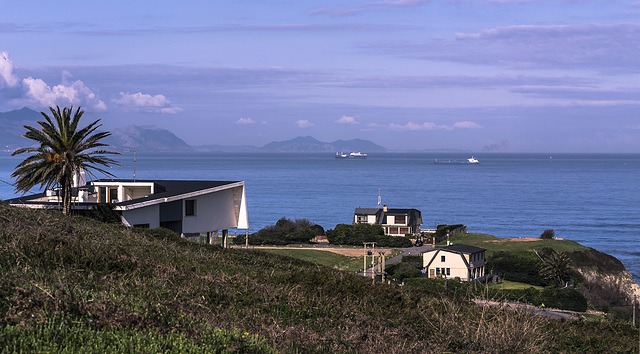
(70, 284)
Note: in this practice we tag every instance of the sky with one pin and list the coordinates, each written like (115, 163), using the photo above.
(472, 75)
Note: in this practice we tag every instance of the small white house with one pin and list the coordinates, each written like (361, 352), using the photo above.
(186, 207)
(462, 261)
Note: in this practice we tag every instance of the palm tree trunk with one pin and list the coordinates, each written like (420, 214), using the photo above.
(66, 195)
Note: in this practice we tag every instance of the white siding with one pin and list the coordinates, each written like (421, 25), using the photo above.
(219, 210)
(146, 215)
(453, 261)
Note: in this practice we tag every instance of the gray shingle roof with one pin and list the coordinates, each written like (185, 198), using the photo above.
(461, 248)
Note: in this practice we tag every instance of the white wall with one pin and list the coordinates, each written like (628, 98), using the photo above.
(145, 215)
(217, 211)
(453, 261)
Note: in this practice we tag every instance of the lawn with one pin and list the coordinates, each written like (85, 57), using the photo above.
(330, 259)
(508, 285)
(516, 245)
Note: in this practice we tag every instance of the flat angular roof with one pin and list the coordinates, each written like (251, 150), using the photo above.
(170, 188)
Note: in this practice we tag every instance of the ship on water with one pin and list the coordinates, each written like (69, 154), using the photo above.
(470, 161)
(353, 155)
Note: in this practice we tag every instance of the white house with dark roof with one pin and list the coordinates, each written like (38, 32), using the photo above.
(395, 222)
(462, 261)
(186, 207)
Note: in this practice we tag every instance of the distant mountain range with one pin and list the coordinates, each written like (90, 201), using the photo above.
(150, 138)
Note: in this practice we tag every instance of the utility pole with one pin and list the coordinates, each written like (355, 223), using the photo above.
(369, 253)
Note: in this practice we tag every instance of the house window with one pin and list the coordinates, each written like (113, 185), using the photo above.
(404, 230)
(437, 271)
(190, 207)
(400, 219)
(107, 195)
(102, 194)
(448, 271)
(362, 219)
(442, 259)
(113, 195)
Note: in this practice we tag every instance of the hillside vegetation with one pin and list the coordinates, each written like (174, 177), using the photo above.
(71, 284)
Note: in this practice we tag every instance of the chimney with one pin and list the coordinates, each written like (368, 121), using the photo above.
(385, 208)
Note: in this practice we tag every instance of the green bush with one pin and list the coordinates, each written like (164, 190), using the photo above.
(513, 267)
(548, 234)
(284, 232)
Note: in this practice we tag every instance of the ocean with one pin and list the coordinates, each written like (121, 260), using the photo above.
(588, 198)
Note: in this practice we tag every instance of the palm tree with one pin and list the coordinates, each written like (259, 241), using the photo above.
(555, 265)
(64, 150)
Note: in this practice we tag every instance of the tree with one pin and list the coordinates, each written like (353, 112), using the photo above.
(547, 234)
(63, 150)
(555, 265)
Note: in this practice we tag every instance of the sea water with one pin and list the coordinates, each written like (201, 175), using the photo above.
(588, 198)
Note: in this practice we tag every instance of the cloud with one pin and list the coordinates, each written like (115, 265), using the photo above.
(303, 123)
(347, 120)
(604, 47)
(245, 121)
(411, 126)
(377, 5)
(7, 76)
(38, 92)
(141, 102)
(466, 125)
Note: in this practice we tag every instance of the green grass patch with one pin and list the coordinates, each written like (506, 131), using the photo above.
(326, 258)
(493, 244)
(508, 285)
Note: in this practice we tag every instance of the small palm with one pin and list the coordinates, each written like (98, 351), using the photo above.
(63, 149)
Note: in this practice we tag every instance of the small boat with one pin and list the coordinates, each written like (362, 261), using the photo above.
(354, 155)
(470, 161)
(357, 155)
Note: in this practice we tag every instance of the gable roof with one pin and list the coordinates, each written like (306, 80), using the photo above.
(461, 248)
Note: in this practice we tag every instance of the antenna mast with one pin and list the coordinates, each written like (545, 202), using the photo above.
(379, 199)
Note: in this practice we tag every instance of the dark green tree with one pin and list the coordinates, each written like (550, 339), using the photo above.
(556, 266)
(63, 149)
(547, 234)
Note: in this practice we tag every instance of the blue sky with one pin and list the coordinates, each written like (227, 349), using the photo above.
(501, 75)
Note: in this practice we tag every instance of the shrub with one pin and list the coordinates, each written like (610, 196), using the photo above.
(513, 267)
(284, 232)
(355, 235)
(547, 234)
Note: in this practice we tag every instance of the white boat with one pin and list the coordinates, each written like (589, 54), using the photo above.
(357, 155)
(470, 161)
(353, 155)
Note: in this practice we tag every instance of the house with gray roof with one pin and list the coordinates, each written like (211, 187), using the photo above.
(184, 206)
(458, 260)
(395, 222)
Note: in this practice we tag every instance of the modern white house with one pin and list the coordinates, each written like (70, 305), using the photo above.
(184, 206)
(395, 222)
(462, 261)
